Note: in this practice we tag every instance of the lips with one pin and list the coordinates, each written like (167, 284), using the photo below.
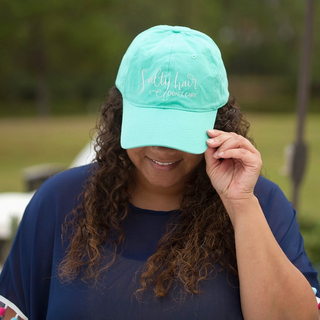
(163, 163)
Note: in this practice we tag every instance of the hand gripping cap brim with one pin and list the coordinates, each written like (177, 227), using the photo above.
(173, 81)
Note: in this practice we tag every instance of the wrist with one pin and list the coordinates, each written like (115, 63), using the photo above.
(242, 208)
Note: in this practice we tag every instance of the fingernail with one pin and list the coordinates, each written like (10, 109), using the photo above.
(210, 131)
(210, 141)
(218, 154)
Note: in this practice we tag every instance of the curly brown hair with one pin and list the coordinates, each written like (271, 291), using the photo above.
(187, 252)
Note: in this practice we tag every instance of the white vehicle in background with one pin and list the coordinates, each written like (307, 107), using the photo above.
(13, 204)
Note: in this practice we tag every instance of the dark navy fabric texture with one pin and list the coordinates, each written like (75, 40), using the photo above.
(29, 278)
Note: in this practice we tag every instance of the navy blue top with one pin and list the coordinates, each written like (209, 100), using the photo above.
(29, 278)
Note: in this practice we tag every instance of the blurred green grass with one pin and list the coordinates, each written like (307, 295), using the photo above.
(272, 133)
(28, 141)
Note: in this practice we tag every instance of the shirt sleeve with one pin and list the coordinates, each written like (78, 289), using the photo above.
(282, 219)
(26, 273)
(37, 249)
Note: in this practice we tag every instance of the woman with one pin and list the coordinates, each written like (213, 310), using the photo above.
(173, 220)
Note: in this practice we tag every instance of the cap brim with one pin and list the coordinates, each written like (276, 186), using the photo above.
(176, 129)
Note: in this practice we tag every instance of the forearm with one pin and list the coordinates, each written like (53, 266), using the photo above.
(271, 287)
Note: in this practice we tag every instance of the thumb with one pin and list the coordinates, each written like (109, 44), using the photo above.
(211, 161)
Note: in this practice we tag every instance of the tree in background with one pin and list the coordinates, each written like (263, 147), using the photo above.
(64, 55)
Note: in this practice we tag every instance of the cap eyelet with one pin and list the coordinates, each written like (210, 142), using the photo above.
(193, 56)
(149, 52)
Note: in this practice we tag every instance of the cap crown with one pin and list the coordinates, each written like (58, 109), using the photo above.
(173, 68)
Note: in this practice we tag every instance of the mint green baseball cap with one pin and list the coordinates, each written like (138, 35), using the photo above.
(173, 81)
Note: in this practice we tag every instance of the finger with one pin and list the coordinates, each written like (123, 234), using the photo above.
(216, 137)
(210, 160)
(230, 140)
(214, 132)
(243, 155)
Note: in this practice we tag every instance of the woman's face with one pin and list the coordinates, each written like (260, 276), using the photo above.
(162, 167)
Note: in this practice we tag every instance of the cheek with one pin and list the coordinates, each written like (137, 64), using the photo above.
(131, 157)
(195, 160)
(135, 155)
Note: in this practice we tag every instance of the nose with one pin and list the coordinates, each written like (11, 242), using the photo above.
(164, 150)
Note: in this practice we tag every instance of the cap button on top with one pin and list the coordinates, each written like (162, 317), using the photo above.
(176, 30)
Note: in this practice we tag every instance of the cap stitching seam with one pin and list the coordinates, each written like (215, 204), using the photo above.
(169, 64)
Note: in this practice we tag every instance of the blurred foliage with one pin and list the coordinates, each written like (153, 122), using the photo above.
(62, 56)
(310, 230)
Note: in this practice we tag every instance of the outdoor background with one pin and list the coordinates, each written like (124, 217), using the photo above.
(59, 58)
